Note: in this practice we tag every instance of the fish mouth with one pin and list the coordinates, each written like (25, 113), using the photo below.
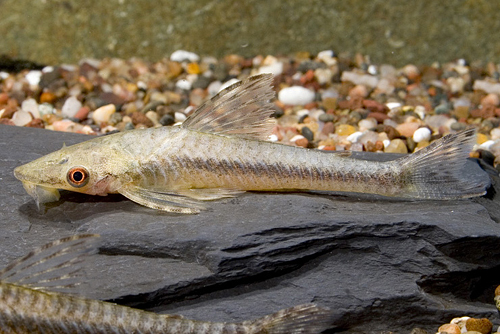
(40, 193)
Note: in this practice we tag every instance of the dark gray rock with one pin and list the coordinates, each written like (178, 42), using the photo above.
(380, 265)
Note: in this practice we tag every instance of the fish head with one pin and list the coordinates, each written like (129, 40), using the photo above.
(81, 168)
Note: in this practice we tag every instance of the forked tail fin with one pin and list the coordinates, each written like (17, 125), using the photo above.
(437, 171)
(301, 319)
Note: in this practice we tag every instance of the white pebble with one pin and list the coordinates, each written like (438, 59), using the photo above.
(297, 76)
(302, 112)
(323, 75)
(4, 75)
(456, 84)
(182, 55)
(48, 69)
(495, 133)
(269, 60)
(488, 87)
(487, 144)
(367, 136)
(183, 84)
(30, 105)
(296, 137)
(325, 53)
(103, 113)
(296, 95)
(45, 109)
(367, 124)
(142, 85)
(21, 118)
(188, 110)
(420, 111)
(33, 77)
(372, 69)
(71, 107)
(179, 117)
(214, 87)
(273, 138)
(327, 57)
(353, 138)
(359, 79)
(393, 105)
(153, 116)
(275, 69)
(386, 142)
(421, 134)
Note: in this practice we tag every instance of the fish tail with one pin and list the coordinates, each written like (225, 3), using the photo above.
(436, 172)
(301, 319)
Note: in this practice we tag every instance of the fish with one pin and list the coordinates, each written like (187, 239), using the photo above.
(221, 151)
(32, 301)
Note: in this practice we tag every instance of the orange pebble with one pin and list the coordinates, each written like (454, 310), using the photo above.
(450, 329)
(483, 325)
(302, 142)
(47, 97)
(193, 68)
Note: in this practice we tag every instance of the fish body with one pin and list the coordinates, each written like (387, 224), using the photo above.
(219, 152)
(27, 306)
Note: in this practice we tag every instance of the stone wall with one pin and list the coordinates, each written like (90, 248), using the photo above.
(390, 31)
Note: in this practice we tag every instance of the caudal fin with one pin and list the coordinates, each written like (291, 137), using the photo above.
(301, 319)
(437, 171)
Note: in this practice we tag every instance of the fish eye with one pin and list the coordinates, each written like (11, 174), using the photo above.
(78, 176)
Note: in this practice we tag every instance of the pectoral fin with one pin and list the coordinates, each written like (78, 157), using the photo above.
(170, 202)
(210, 194)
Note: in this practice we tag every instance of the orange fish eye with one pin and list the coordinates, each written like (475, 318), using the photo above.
(78, 177)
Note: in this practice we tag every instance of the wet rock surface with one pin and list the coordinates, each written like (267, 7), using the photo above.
(380, 265)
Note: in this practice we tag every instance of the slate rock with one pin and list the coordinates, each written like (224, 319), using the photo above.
(379, 264)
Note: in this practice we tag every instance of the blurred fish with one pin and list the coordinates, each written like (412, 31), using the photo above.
(220, 151)
(29, 303)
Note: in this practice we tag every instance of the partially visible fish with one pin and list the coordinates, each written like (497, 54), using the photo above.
(27, 304)
(219, 151)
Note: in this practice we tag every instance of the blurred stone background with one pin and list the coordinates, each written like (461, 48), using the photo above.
(390, 31)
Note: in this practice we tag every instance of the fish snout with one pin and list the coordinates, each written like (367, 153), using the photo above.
(19, 173)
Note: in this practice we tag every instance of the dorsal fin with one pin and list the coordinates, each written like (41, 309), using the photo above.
(242, 109)
(54, 266)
